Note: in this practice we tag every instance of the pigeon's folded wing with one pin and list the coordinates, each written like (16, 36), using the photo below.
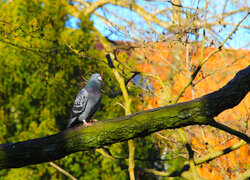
(80, 103)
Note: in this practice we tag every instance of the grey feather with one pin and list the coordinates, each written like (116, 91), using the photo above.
(87, 102)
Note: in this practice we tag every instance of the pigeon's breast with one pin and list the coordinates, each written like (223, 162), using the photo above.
(93, 104)
(94, 98)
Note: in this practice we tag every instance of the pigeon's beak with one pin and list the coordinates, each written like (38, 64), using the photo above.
(99, 78)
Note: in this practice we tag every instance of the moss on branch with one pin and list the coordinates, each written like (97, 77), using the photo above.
(197, 111)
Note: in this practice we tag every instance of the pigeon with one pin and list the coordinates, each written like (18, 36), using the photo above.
(86, 103)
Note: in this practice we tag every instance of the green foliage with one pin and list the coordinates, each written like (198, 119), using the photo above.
(40, 76)
(33, 81)
(91, 165)
(39, 79)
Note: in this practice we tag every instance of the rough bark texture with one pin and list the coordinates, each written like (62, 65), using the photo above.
(198, 111)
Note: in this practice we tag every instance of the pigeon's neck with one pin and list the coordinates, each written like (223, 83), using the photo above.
(93, 85)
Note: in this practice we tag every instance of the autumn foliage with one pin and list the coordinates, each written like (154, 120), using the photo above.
(175, 64)
(49, 49)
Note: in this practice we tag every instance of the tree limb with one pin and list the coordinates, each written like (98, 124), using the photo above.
(197, 111)
(230, 130)
(213, 155)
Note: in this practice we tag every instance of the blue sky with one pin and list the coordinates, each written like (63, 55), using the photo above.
(238, 40)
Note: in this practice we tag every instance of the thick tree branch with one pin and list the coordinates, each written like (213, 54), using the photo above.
(228, 96)
(197, 111)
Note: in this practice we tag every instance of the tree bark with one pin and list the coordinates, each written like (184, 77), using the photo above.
(105, 132)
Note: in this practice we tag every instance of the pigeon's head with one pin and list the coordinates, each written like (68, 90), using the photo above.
(94, 82)
(97, 77)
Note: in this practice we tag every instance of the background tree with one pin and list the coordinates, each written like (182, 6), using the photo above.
(40, 76)
(166, 60)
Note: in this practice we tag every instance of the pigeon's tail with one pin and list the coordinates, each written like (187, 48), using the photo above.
(72, 122)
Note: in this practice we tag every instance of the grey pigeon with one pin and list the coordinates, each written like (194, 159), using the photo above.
(86, 103)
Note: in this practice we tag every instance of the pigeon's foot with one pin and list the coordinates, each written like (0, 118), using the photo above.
(87, 124)
(93, 120)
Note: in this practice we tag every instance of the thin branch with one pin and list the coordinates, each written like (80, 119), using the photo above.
(132, 77)
(158, 134)
(221, 68)
(207, 58)
(236, 27)
(152, 171)
(140, 159)
(230, 130)
(22, 47)
(79, 54)
(213, 155)
(205, 139)
(91, 8)
(62, 171)
(244, 176)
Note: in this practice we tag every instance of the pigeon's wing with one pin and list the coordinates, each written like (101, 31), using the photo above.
(80, 103)
(78, 108)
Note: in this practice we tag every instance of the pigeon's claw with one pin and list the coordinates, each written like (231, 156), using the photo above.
(93, 120)
(87, 124)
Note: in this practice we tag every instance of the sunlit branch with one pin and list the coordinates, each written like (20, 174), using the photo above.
(158, 134)
(244, 176)
(22, 47)
(80, 54)
(193, 171)
(226, 14)
(91, 8)
(127, 102)
(136, 8)
(205, 139)
(213, 155)
(221, 68)
(206, 59)
(124, 29)
(62, 170)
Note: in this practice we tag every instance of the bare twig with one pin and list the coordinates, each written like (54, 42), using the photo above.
(62, 171)
(206, 59)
